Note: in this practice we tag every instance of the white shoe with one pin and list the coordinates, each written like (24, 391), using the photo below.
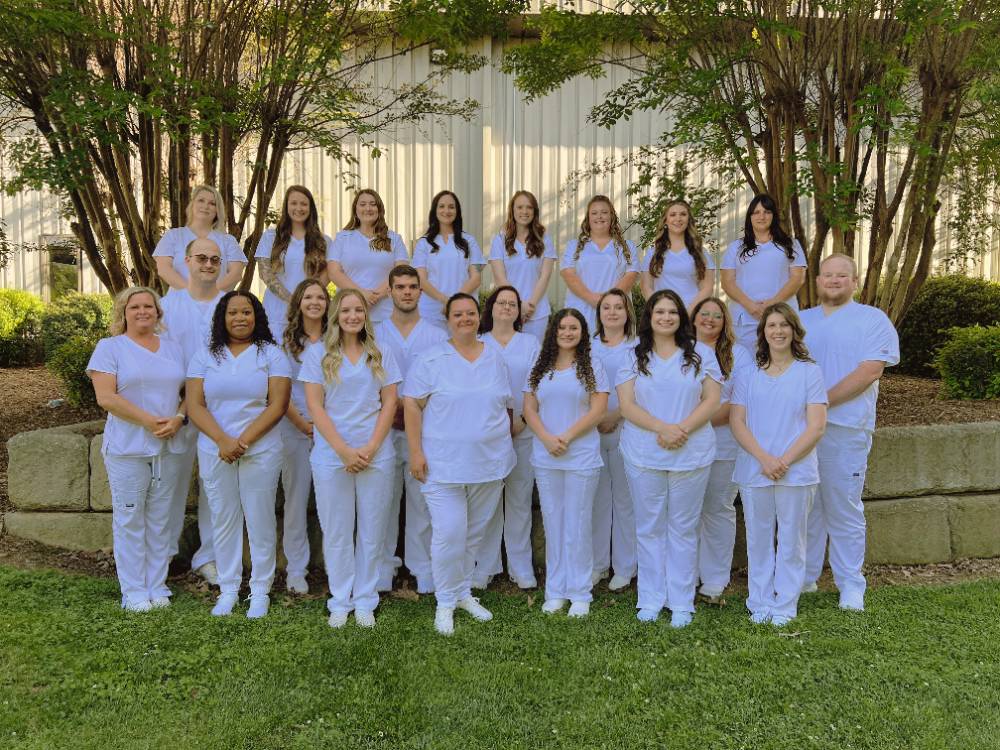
(444, 620)
(297, 584)
(259, 605)
(760, 618)
(852, 602)
(617, 582)
(579, 609)
(337, 619)
(136, 605)
(159, 602)
(680, 619)
(525, 583)
(597, 576)
(209, 572)
(471, 605)
(552, 606)
(481, 582)
(810, 588)
(779, 621)
(364, 618)
(648, 615)
(224, 605)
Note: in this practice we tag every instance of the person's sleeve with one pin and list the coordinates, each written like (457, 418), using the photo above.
(391, 367)
(647, 257)
(633, 254)
(741, 380)
(312, 366)
(475, 252)
(335, 250)
(628, 371)
(815, 387)
(798, 257)
(232, 250)
(568, 261)
(398, 248)
(198, 365)
(709, 260)
(166, 247)
(419, 380)
(600, 376)
(881, 341)
(550, 249)
(497, 250)
(420, 253)
(278, 365)
(265, 245)
(731, 256)
(103, 359)
(329, 246)
(710, 365)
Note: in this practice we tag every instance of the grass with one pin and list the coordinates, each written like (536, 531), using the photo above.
(921, 669)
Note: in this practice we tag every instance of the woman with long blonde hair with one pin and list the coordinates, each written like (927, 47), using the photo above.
(677, 260)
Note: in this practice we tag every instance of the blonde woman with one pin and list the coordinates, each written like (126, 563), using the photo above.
(206, 217)
(350, 387)
(676, 260)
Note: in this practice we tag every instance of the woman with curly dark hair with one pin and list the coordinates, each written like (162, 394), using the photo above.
(237, 392)
(565, 397)
(668, 393)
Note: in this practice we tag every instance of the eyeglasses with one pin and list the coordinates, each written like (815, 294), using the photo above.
(213, 260)
(507, 304)
(710, 315)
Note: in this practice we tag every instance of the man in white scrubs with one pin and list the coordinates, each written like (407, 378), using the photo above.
(407, 335)
(852, 343)
(187, 320)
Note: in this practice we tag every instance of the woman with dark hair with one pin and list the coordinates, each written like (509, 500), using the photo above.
(292, 252)
(448, 260)
(778, 414)
(522, 256)
(717, 530)
(364, 251)
(500, 329)
(565, 397)
(456, 401)
(764, 267)
(306, 325)
(614, 518)
(237, 391)
(350, 384)
(668, 393)
(676, 260)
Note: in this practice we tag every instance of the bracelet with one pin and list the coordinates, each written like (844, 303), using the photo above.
(184, 419)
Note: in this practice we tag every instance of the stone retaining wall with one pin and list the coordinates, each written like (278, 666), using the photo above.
(932, 493)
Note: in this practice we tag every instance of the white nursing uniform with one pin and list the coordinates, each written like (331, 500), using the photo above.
(668, 486)
(235, 394)
(292, 273)
(173, 244)
(840, 342)
(447, 269)
(523, 272)
(142, 469)
(599, 270)
(367, 267)
(679, 272)
(466, 441)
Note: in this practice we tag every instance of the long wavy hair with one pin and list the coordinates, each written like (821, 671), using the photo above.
(546, 361)
(692, 241)
(260, 335)
(778, 235)
(723, 344)
(486, 320)
(333, 341)
(617, 236)
(118, 326)
(799, 349)
(293, 340)
(683, 337)
(220, 208)
(629, 315)
(315, 242)
(434, 226)
(380, 241)
(534, 246)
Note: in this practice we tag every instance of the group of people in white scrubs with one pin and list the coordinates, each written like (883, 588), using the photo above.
(638, 433)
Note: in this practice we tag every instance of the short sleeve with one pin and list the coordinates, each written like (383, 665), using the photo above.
(278, 365)
(634, 258)
(198, 365)
(475, 252)
(815, 387)
(312, 366)
(419, 380)
(709, 260)
(741, 385)
(265, 245)
(420, 251)
(568, 258)
(881, 342)
(710, 366)
(232, 251)
(398, 247)
(391, 367)
(335, 250)
(600, 376)
(647, 258)
(167, 246)
(629, 369)
(798, 257)
(497, 250)
(550, 250)
(103, 359)
(730, 260)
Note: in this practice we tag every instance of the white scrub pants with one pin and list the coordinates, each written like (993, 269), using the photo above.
(244, 489)
(776, 572)
(345, 502)
(717, 529)
(667, 511)
(536, 327)
(417, 531)
(567, 500)
(838, 513)
(178, 508)
(512, 520)
(142, 491)
(388, 561)
(296, 478)
(459, 515)
(614, 516)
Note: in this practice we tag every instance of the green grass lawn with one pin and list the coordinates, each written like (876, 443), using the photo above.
(920, 669)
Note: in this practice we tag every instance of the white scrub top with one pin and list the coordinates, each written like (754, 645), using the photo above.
(679, 272)
(841, 341)
(236, 390)
(762, 274)
(422, 338)
(520, 355)
(613, 358)
(295, 367)
(150, 380)
(367, 267)
(187, 321)
(523, 271)
(293, 273)
(670, 394)
(466, 428)
(562, 401)
(447, 269)
(599, 270)
(726, 447)
(353, 402)
(174, 242)
(776, 416)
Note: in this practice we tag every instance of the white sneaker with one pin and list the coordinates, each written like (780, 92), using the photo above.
(852, 602)
(444, 620)
(297, 584)
(259, 605)
(365, 618)
(209, 572)
(552, 606)
(680, 619)
(337, 619)
(617, 582)
(471, 605)
(136, 605)
(525, 583)
(760, 618)
(579, 609)
(224, 605)
(810, 587)
(648, 615)
(159, 602)
(597, 576)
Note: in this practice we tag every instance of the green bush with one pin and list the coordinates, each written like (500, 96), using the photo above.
(68, 362)
(75, 314)
(943, 303)
(20, 328)
(969, 363)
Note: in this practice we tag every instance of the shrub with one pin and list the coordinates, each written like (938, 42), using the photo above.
(75, 314)
(20, 328)
(969, 363)
(944, 303)
(68, 362)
